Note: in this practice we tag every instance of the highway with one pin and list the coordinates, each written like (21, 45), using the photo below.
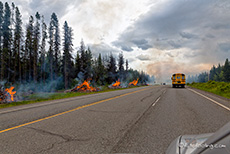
(136, 120)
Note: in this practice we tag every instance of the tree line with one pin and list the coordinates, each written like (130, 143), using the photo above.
(216, 73)
(25, 56)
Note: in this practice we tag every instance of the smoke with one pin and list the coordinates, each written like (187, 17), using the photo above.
(2, 85)
(124, 84)
(80, 76)
(48, 86)
(151, 80)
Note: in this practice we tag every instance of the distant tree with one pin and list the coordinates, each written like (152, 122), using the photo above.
(121, 70)
(217, 76)
(226, 71)
(77, 64)
(83, 57)
(88, 64)
(111, 69)
(203, 77)
(126, 65)
(100, 71)
(221, 76)
(212, 73)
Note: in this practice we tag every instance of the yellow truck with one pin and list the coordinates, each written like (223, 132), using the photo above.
(178, 80)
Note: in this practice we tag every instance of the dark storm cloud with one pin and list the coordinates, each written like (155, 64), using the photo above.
(128, 46)
(221, 26)
(174, 44)
(187, 35)
(174, 19)
(123, 46)
(224, 47)
(141, 43)
(193, 24)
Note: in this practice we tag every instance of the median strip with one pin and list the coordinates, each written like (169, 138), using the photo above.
(217, 103)
(80, 107)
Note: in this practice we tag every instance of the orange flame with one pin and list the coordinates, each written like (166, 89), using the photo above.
(134, 82)
(11, 93)
(116, 84)
(85, 86)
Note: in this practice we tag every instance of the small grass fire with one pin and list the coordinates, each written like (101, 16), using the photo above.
(7, 96)
(84, 87)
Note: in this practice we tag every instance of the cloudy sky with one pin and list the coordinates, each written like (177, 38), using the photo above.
(160, 37)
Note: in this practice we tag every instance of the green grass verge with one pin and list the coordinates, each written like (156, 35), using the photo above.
(218, 88)
(40, 97)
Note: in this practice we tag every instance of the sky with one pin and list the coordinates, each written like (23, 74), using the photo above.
(159, 37)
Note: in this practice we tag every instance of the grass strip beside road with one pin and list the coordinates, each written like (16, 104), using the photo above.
(40, 97)
(218, 88)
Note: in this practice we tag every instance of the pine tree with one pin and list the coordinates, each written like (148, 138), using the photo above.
(51, 49)
(226, 71)
(126, 68)
(67, 54)
(56, 45)
(36, 39)
(54, 51)
(121, 66)
(100, 71)
(126, 65)
(28, 53)
(218, 72)
(1, 34)
(43, 51)
(82, 58)
(77, 64)
(7, 38)
(17, 46)
(212, 73)
(111, 69)
(88, 62)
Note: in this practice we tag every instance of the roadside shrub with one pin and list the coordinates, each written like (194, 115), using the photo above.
(211, 82)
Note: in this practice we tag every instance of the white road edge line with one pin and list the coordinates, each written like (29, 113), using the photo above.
(156, 101)
(217, 103)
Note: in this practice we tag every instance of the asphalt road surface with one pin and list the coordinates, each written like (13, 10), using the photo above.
(137, 120)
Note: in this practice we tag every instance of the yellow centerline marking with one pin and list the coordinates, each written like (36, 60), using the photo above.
(217, 103)
(80, 107)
